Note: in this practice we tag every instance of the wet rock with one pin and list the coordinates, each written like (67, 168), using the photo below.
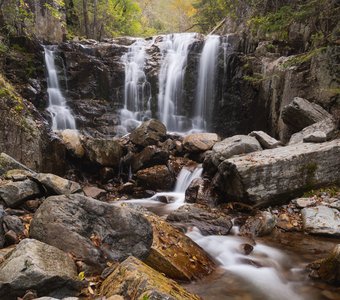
(266, 141)
(301, 113)
(105, 152)
(36, 266)
(149, 133)
(133, 279)
(321, 220)
(274, 175)
(200, 141)
(127, 188)
(150, 156)
(156, 178)
(200, 191)
(15, 193)
(327, 126)
(95, 232)
(13, 223)
(327, 269)
(209, 221)
(72, 141)
(263, 223)
(57, 185)
(235, 145)
(175, 255)
(11, 238)
(315, 137)
(247, 249)
(93, 192)
(304, 202)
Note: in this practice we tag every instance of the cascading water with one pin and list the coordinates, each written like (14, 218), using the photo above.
(137, 90)
(174, 49)
(206, 83)
(61, 114)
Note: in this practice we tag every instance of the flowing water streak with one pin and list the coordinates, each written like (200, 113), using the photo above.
(206, 82)
(174, 49)
(137, 90)
(61, 114)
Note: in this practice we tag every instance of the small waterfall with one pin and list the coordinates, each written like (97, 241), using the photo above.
(206, 82)
(175, 50)
(137, 90)
(61, 114)
(185, 177)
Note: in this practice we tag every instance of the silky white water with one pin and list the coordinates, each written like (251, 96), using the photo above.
(62, 117)
(137, 90)
(175, 49)
(206, 84)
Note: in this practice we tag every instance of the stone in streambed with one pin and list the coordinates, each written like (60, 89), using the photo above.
(15, 193)
(197, 142)
(94, 192)
(209, 221)
(57, 185)
(200, 191)
(150, 156)
(263, 223)
(266, 141)
(38, 266)
(133, 279)
(175, 255)
(321, 220)
(148, 133)
(156, 178)
(95, 232)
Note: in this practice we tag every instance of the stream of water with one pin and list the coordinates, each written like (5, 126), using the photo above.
(62, 117)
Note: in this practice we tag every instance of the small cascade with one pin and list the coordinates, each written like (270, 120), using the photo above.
(226, 46)
(185, 177)
(206, 82)
(174, 49)
(137, 90)
(61, 114)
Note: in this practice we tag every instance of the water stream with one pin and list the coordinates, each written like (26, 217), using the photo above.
(62, 117)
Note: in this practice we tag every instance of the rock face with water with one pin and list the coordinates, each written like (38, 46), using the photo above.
(277, 174)
(133, 279)
(175, 255)
(95, 232)
(34, 265)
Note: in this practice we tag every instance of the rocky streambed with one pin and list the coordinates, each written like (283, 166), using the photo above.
(154, 215)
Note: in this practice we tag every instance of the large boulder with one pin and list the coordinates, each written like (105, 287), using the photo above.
(263, 223)
(33, 265)
(208, 220)
(133, 279)
(9, 163)
(266, 141)
(201, 191)
(72, 141)
(326, 126)
(15, 193)
(148, 133)
(150, 156)
(200, 141)
(235, 145)
(175, 255)
(105, 152)
(301, 113)
(273, 175)
(157, 178)
(93, 231)
(57, 185)
(321, 220)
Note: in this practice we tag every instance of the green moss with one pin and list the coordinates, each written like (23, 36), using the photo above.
(302, 58)
(332, 191)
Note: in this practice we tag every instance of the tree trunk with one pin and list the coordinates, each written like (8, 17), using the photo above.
(86, 18)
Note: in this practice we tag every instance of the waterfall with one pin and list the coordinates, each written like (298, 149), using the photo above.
(185, 177)
(137, 90)
(61, 114)
(206, 82)
(174, 50)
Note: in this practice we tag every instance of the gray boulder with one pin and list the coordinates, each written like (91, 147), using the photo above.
(8, 163)
(266, 141)
(321, 220)
(57, 185)
(150, 156)
(95, 232)
(301, 113)
(327, 126)
(235, 145)
(263, 223)
(15, 193)
(33, 265)
(200, 141)
(148, 133)
(315, 137)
